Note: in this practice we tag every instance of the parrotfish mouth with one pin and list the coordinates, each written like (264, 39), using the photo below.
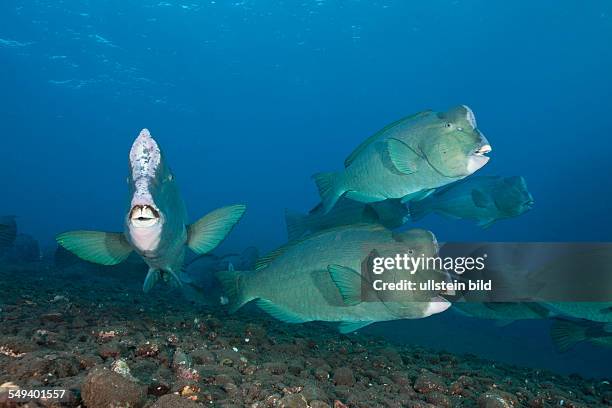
(479, 157)
(482, 150)
(143, 216)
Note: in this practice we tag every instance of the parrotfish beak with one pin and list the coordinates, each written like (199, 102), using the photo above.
(144, 216)
(529, 202)
(478, 157)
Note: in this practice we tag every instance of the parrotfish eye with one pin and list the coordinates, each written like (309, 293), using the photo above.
(449, 125)
(411, 252)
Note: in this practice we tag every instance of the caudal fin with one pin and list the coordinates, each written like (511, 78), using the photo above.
(297, 224)
(151, 280)
(234, 287)
(566, 334)
(330, 189)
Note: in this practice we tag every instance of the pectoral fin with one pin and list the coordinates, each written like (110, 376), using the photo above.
(105, 248)
(348, 282)
(348, 327)
(279, 312)
(417, 196)
(486, 223)
(210, 230)
(402, 156)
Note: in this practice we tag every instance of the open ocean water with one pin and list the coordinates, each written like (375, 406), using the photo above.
(247, 100)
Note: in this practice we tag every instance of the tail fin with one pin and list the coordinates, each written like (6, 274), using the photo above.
(297, 224)
(330, 189)
(151, 280)
(418, 209)
(234, 288)
(566, 334)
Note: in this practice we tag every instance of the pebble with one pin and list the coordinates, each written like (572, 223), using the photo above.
(103, 388)
(344, 376)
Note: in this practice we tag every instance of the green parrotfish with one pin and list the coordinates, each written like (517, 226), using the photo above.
(320, 278)
(485, 199)
(409, 158)
(390, 213)
(155, 224)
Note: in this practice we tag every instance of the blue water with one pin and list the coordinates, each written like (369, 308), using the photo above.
(248, 99)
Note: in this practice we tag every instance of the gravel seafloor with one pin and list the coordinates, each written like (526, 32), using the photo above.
(93, 332)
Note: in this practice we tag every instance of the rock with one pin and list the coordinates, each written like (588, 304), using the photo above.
(293, 401)
(319, 404)
(321, 374)
(42, 368)
(429, 382)
(147, 349)
(275, 368)
(103, 388)
(497, 399)
(313, 393)
(202, 356)
(392, 355)
(419, 404)
(88, 361)
(181, 360)
(255, 332)
(174, 401)
(121, 367)
(158, 388)
(52, 317)
(109, 350)
(439, 400)
(344, 376)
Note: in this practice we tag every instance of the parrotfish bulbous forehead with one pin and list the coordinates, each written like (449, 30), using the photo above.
(463, 115)
(145, 159)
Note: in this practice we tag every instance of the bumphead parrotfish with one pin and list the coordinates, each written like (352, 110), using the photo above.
(390, 213)
(409, 158)
(485, 199)
(156, 225)
(320, 278)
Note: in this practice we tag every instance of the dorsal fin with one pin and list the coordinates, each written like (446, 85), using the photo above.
(376, 135)
(271, 256)
(267, 259)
